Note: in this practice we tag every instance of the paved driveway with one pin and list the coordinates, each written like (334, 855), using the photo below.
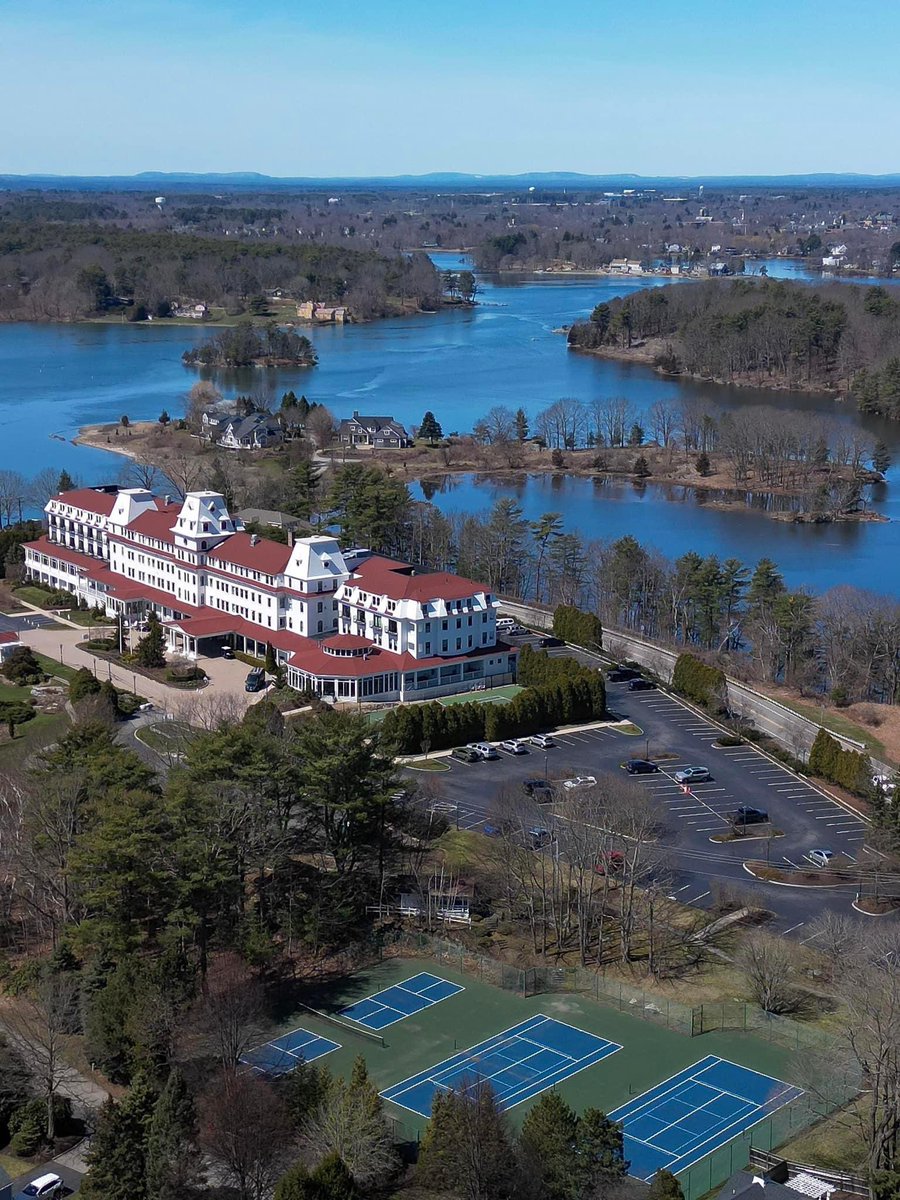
(70, 1177)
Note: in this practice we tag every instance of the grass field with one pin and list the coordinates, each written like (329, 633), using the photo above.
(499, 695)
(650, 1053)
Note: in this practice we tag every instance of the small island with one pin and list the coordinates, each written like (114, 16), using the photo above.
(245, 345)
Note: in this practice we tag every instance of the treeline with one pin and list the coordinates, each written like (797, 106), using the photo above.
(847, 768)
(558, 691)
(61, 270)
(771, 333)
(245, 346)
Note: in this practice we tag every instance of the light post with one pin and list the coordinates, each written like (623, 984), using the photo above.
(60, 652)
(546, 763)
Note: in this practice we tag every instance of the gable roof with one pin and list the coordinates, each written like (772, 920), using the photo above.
(260, 555)
(88, 499)
(400, 581)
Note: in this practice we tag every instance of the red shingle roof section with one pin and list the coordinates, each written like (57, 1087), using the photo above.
(269, 557)
(87, 498)
(6, 639)
(399, 581)
(157, 524)
(347, 641)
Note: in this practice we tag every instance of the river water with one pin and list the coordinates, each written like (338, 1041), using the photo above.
(458, 363)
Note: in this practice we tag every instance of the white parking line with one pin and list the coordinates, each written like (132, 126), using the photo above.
(702, 896)
(799, 925)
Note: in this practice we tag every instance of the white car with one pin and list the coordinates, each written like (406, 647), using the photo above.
(45, 1187)
(580, 781)
(543, 741)
(513, 746)
(884, 783)
(820, 857)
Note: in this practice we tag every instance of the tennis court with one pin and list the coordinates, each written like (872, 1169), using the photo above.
(400, 1001)
(283, 1054)
(519, 1063)
(682, 1119)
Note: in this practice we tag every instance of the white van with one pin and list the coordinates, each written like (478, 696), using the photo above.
(505, 624)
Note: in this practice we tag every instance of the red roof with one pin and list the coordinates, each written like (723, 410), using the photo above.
(265, 555)
(310, 657)
(7, 639)
(157, 524)
(399, 581)
(347, 641)
(212, 622)
(87, 498)
(43, 545)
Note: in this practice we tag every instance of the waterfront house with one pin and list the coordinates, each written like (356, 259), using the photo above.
(255, 432)
(381, 433)
(323, 314)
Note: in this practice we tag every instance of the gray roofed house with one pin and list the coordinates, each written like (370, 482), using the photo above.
(381, 433)
(750, 1185)
(251, 433)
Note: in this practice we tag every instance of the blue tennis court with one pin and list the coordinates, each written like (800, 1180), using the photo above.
(283, 1054)
(683, 1119)
(401, 1001)
(519, 1063)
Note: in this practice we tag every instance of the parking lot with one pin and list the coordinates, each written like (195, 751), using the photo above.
(676, 737)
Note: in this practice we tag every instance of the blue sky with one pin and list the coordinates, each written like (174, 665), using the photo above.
(343, 87)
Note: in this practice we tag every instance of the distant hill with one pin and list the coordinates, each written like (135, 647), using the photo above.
(436, 179)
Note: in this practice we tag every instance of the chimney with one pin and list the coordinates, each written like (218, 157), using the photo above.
(290, 537)
(254, 539)
(167, 500)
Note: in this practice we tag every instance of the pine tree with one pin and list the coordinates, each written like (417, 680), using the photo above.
(702, 464)
(65, 483)
(171, 1157)
(881, 457)
(548, 1142)
(151, 650)
(295, 1184)
(271, 662)
(117, 1157)
(665, 1186)
(430, 429)
(467, 1147)
(641, 467)
(521, 424)
(332, 1181)
(300, 490)
(600, 1144)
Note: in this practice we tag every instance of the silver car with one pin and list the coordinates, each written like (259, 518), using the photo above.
(693, 775)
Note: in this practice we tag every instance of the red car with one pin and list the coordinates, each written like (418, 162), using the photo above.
(610, 862)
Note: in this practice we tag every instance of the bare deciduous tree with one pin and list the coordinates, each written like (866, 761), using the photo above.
(245, 1128)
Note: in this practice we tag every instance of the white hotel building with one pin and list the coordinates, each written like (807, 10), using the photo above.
(351, 625)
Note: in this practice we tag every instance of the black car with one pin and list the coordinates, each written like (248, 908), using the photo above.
(621, 674)
(641, 766)
(464, 754)
(539, 789)
(746, 815)
(641, 685)
(551, 641)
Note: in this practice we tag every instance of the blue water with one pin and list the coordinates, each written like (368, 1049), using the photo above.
(457, 363)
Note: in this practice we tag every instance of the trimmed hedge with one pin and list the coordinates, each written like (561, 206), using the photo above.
(558, 691)
(847, 768)
(698, 681)
(579, 628)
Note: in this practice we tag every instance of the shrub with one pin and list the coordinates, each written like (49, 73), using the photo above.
(847, 768)
(579, 628)
(22, 667)
(83, 684)
(28, 1124)
(698, 681)
(730, 739)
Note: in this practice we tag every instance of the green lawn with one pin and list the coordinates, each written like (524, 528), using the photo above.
(9, 691)
(32, 595)
(837, 723)
(34, 735)
(52, 666)
(499, 695)
(80, 617)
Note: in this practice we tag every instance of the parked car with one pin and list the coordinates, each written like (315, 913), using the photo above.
(45, 1187)
(540, 790)
(820, 857)
(641, 766)
(543, 741)
(610, 862)
(693, 775)
(621, 674)
(483, 749)
(255, 681)
(465, 754)
(539, 836)
(641, 685)
(579, 781)
(513, 746)
(551, 641)
(490, 830)
(746, 815)
(227, 652)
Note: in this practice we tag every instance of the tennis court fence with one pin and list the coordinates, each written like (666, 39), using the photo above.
(692, 1021)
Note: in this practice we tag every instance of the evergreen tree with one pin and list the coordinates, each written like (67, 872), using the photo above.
(171, 1157)
(271, 662)
(881, 458)
(300, 490)
(641, 467)
(600, 1144)
(118, 1154)
(636, 435)
(332, 1181)
(305, 1089)
(430, 430)
(702, 464)
(164, 418)
(521, 424)
(467, 1147)
(664, 1186)
(548, 1142)
(151, 649)
(295, 1184)
(65, 483)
